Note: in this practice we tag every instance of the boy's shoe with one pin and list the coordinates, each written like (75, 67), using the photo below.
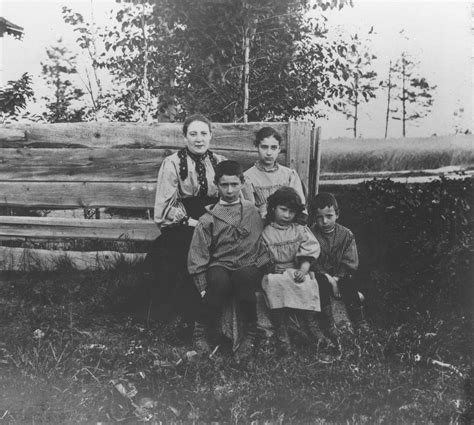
(200, 339)
(358, 318)
(330, 328)
(280, 322)
(315, 331)
(247, 344)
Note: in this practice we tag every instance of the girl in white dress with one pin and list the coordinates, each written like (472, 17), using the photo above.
(290, 286)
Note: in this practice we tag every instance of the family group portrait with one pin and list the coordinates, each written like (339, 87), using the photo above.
(236, 212)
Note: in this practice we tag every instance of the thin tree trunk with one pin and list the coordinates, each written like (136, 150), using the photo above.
(246, 73)
(403, 96)
(356, 104)
(146, 91)
(387, 115)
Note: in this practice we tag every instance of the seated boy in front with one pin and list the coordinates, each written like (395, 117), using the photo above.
(226, 257)
(338, 261)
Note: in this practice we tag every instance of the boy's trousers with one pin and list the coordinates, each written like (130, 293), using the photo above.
(348, 287)
(222, 284)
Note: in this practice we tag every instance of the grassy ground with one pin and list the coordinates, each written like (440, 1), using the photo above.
(67, 357)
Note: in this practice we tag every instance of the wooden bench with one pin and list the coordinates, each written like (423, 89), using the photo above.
(78, 166)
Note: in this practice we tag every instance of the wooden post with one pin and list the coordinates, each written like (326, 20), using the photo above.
(317, 164)
(298, 154)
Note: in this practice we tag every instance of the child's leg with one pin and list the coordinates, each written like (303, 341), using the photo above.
(244, 283)
(350, 295)
(218, 290)
(325, 294)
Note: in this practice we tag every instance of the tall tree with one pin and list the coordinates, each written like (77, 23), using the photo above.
(413, 91)
(233, 60)
(59, 71)
(87, 40)
(359, 77)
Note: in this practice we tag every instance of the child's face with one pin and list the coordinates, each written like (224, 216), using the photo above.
(284, 215)
(229, 188)
(326, 218)
(268, 150)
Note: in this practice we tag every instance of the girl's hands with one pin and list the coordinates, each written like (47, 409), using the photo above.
(299, 276)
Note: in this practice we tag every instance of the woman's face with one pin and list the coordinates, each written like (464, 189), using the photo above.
(198, 137)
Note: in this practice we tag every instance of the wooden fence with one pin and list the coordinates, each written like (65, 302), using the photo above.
(115, 165)
(94, 165)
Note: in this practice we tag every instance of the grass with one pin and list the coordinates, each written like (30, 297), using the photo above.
(66, 357)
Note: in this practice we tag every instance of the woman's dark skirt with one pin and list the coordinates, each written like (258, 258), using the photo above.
(172, 290)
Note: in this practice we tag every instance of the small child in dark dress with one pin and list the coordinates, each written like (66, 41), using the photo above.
(338, 262)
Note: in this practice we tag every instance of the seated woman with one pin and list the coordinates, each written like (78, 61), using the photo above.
(184, 187)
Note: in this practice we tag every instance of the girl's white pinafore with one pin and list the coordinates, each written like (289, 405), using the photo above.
(286, 244)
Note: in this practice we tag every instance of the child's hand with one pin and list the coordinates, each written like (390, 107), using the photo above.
(335, 287)
(279, 269)
(299, 276)
(192, 222)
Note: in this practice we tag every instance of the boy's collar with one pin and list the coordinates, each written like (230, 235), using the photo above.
(222, 202)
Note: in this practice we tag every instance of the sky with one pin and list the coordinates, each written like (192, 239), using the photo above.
(438, 33)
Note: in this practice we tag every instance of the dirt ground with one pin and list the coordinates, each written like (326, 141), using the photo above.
(67, 356)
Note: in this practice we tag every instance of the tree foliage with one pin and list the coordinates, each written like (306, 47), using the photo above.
(413, 92)
(57, 71)
(358, 76)
(233, 60)
(14, 96)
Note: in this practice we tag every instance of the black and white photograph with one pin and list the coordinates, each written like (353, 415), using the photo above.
(236, 212)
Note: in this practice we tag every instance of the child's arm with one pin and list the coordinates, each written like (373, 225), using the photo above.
(334, 281)
(199, 255)
(300, 274)
(307, 254)
(349, 260)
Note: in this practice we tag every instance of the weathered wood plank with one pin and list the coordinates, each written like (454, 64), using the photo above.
(226, 136)
(66, 195)
(299, 149)
(57, 228)
(25, 259)
(93, 164)
(10, 137)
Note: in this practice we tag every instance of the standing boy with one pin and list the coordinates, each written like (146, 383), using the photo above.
(267, 175)
(338, 261)
(225, 259)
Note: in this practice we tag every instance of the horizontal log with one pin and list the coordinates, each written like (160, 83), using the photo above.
(64, 195)
(94, 164)
(369, 155)
(227, 136)
(12, 228)
(10, 137)
(26, 259)
(400, 179)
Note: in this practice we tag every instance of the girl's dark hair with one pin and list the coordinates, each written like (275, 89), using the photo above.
(265, 132)
(288, 197)
(195, 117)
(228, 168)
(323, 200)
